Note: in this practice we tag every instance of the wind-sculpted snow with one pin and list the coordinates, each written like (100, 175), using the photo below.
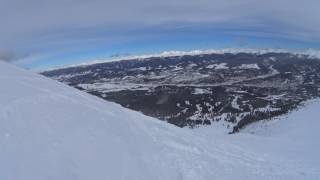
(51, 131)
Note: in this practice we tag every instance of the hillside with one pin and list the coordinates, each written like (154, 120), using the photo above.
(51, 131)
(193, 90)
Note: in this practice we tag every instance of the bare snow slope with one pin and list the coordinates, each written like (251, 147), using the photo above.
(49, 131)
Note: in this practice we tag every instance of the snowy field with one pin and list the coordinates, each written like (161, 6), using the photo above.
(49, 131)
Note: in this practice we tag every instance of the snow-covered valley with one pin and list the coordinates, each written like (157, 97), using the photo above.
(230, 89)
(51, 131)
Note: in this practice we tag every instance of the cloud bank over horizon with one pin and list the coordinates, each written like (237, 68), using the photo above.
(34, 30)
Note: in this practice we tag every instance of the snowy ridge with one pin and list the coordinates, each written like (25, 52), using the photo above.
(51, 131)
(312, 53)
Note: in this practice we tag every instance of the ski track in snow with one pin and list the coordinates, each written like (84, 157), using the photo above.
(51, 131)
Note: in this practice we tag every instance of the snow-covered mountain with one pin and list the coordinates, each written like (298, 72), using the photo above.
(192, 89)
(51, 131)
(311, 53)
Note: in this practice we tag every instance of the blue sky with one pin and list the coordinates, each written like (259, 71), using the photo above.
(166, 43)
(39, 34)
(183, 41)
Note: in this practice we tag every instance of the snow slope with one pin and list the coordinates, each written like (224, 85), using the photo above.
(290, 142)
(51, 131)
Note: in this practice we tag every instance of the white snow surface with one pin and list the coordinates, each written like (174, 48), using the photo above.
(49, 131)
(218, 66)
(249, 66)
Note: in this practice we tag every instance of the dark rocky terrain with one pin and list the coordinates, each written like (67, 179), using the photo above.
(229, 90)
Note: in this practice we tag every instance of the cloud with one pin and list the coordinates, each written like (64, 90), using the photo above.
(7, 56)
(46, 26)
